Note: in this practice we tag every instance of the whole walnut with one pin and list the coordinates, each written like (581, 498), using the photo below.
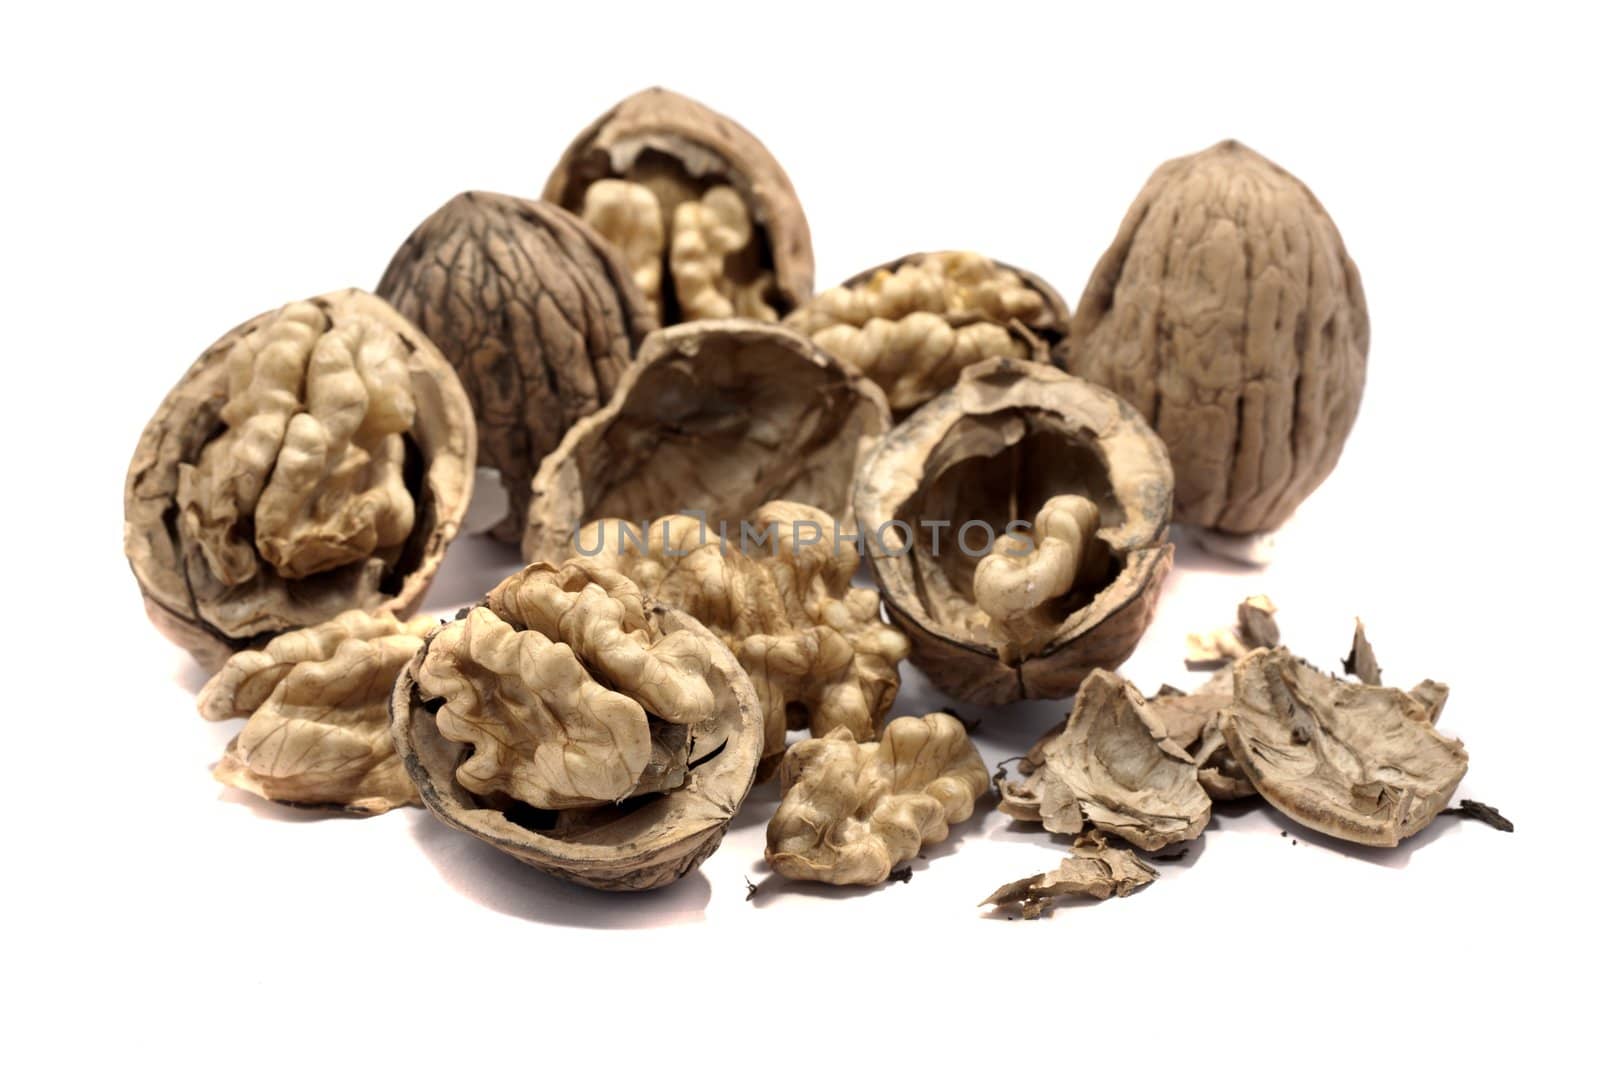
(536, 313)
(1229, 314)
(314, 460)
(704, 215)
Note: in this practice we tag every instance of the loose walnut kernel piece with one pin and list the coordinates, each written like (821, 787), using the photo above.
(1022, 575)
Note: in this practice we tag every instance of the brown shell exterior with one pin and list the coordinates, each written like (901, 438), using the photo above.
(1102, 634)
(443, 435)
(686, 129)
(735, 369)
(535, 311)
(646, 848)
(1228, 312)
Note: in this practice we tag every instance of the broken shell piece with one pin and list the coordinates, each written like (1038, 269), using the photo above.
(1362, 662)
(1255, 628)
(1044, 795)
(1431, 695)
(1094, 870)
(1352, 761)
(1191, 723)
(852, 812)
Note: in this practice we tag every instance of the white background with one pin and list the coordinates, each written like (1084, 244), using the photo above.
(170, 173)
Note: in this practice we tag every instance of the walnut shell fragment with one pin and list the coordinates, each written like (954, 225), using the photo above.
(707, 219)
(1095, 869)
(535, 311)
(1256, 628)
(315, 459)
(1229, 314)
(1193, 723)
(939, 495)
(776, 589)
(573, 724)
(912, 325)
(1357, 762)
(716, 417)
(853, 811)
(318, 704)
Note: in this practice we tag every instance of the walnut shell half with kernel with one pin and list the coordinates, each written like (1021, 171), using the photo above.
(537, 314)
(315, 459)
(706, 218)
(578, 726)
(714, 417)
(1017, 525)
(1229, 314)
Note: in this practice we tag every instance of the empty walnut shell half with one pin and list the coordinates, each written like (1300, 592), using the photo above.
(913, 324)
(314, 460)
(1018, 442)
(714, 417)
(1228, 312)
(702, 212)
(537, 314)
(577, 726)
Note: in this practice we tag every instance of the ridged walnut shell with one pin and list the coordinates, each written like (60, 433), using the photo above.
(1008, 437)
(535, 312)
(1228, 312)
(635, 845)
(178, 588)
(719, 417)
(663, 132)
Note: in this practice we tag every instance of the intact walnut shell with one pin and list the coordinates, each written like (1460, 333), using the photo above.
(536, 313)
(660, 138)
(644, 843)
(1006, 439)
(213, 618)
(1229, 314)
(716, 417)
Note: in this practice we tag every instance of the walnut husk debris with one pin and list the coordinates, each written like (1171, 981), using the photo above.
(1255, 628)
(1357, 762)
(1228, 312)
(538, 315)
(315, 459)
(913, 324)
(317, 701)
(707, 220)
(854, 811)
(1095, 869)
(1013, 441)
(714, 417)
(776, 589)
(574, 724)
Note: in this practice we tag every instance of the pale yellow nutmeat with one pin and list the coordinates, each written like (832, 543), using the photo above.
(1022, 575)
(853, 811)
(629, 216)
(313, 455)
(706, 233)
(318, 705)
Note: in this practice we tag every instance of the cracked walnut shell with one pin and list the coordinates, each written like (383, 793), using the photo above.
(572, 723)
(714, 417)
(705, 217)
(315, 459)
(1228, 312)
(777, 590)
(317, 700)
(914, 324)
(852, 811)
(536, 313)
(1018, 442)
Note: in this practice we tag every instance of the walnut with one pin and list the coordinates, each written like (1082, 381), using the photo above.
(1229, 314)
(777, 590)
(914, 324)
(716, 418)
(1357, 762)
(315, 459)
(537, 314)
(574, 724)
(1010, 443)
(853, 811)
(705, 216)
(1095, 869)
(318, 704)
